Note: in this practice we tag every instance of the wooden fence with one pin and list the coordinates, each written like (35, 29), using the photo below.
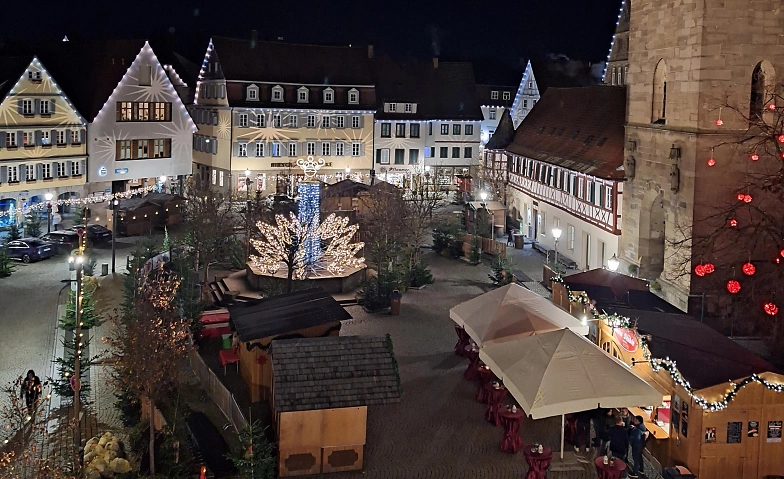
(489, 246)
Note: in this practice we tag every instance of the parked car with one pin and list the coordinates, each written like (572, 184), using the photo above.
(63, 241)
(30, 249)
(96, 233)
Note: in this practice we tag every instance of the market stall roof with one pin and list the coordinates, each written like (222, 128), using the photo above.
(333, 372)
(510, 312)
(561, 372)
(285, 313)
(490, 205)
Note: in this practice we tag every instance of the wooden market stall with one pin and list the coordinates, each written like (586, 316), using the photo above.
(322, 388)
(139, 215)
(495, 215)
(301, 314)
(169, 208)
(723, 406)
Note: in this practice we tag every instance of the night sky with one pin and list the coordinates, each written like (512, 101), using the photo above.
(506, 30)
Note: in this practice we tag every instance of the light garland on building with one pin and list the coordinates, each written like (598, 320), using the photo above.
(80, 201)
(617, 321)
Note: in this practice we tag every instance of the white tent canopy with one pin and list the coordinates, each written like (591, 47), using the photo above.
(511, 312)
(560, 372)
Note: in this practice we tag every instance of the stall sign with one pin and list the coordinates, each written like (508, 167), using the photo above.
(626, 339)
(710, 435)
(774, 431)
(753, 429)
(734, 432)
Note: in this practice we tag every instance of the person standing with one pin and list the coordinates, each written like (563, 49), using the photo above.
(510, 237)
(582, 435)
(619, 439)
(637, 437)
(31, 390)
(626, 417)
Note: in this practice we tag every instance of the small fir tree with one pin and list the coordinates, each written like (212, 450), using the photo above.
(256, 457)
(89, 317)
(6, 267)
(475, 256)
(14, 232)
(420, 275)
(501, 271)
(33, 226)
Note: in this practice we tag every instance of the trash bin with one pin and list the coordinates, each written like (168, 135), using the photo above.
(104, 269)
(499, 231)
(519, 241)
(394, 302)
(672, 473)
(226, 341)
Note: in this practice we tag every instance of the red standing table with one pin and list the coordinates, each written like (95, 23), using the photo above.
(463, 340)
(495, 397)
(483, 377)
(473, 357)
(537, 463)
(570, 428)
(606, 471)
(511, 422)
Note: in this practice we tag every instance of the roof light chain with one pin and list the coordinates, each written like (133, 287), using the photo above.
(81, 201)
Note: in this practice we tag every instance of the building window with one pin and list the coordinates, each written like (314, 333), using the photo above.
(455, 152)
(612, 82)
(30, 173)
(44, 107)
(261, 120)
(386, 130)
(429, 152)
(353, 96)
(10, 140)
(27, 107)
(311, 148)
(356, 148)
(46, 139)
(220, 178)
(46, 171)
(243, 120)
(162, 111)
(276, 120)
(443, 152)
(253, 93)
(608, 197)
(311, 121)
(340, 148)
(492, 113)
(468, 152)
(400, 155)
(382, 156)
(494, 95)
(409, 108)
(339, 121)
(276, 147)
(570, 237)
(325, 121)
(525, 103)
(61, 169)
(400, 130)
(456, 129)
(126, 111)
(242, 150)
(329, 96)
(392, 107)
(214, 176)
(76, 168)
(354, 122)
(142, 111)
(142, 149)
(444, 129)
(75, 138)
(507, 95)
(13, 174)
(413, 156)
(259, 149)
(413, 130)
(34, 76)
(29, 138)
(302, 95)
(760, 90)
(325, 149)
(277, 93)
(293, 120)
(469, 129)
(659, 93)
(292, 148)
(125, 150)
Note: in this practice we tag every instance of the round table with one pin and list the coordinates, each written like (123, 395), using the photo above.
(473, 357)
(606, 471)
(537, 463)
(463, 340)
(511, 422)
(483, 377)
(495, 397)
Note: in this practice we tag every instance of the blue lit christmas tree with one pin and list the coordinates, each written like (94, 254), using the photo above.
(309, 192)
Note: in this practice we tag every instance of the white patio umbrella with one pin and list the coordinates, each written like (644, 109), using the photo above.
(560, 372)
(511, 312)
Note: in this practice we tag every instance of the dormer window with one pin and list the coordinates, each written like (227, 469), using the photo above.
(34, 76)
(507, 95)
(302, 95)
(409, 108)
(329, 95)
(253, 93)
(277, 93)
(392, 107)
(353, 96)
(494, 95)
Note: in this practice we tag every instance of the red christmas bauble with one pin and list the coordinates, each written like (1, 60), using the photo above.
(733, 286)
(709, 268)
(719, 122)
(754, 157)
(733, 222)
(749, 269)
(741, 196)
(699, 270)
(711, 162)
(771, 308)
(782, 253)
(772, 107)
(781, 138)
(747, 198)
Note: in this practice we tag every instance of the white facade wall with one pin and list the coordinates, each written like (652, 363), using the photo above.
(106, 131)
(492, 116)
(526, 98)
(392, 171)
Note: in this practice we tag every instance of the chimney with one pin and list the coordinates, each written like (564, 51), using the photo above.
(435, 62)
(370, 51)
(254, 37)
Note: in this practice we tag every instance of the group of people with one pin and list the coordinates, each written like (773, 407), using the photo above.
(615, 434)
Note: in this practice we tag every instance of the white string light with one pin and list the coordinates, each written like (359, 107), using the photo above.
(79, 201)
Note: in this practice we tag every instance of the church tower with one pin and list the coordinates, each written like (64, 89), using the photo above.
(685, 60)
(617, 69)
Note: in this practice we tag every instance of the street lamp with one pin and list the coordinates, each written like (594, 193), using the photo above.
(613, 263)
(557, 235)
(348, 171)
(48, 197)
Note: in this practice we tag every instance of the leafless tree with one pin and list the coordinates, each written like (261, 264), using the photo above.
(493, 174)
(381, 218)
(423, 209)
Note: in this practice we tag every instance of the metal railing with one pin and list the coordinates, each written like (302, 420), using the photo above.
(222, 397)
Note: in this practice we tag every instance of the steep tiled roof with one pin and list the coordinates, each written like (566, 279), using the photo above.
(504, 133)
(11, 70)
(446, 91)
(581, 129)
(333, 372)
(293, 63)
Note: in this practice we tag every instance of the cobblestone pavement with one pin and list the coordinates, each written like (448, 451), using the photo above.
(438, 429)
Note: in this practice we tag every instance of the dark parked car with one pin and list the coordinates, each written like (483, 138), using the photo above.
(96, 233)
(63, 241)
(30, 249)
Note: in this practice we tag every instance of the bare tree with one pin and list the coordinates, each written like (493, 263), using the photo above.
(493, 174)
(422, 211)
(381, 218)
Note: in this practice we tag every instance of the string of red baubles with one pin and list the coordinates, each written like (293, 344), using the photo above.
(753, 156)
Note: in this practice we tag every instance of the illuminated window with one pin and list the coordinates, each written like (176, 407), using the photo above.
(159, 148)
(142, 149)
(46, 139)
(125, 150)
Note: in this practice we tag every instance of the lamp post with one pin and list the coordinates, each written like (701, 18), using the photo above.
(348, 172)
(247, 213)
(115, 207)
(557, 235)
(48, 197)
(76, 383)
(613, 263)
